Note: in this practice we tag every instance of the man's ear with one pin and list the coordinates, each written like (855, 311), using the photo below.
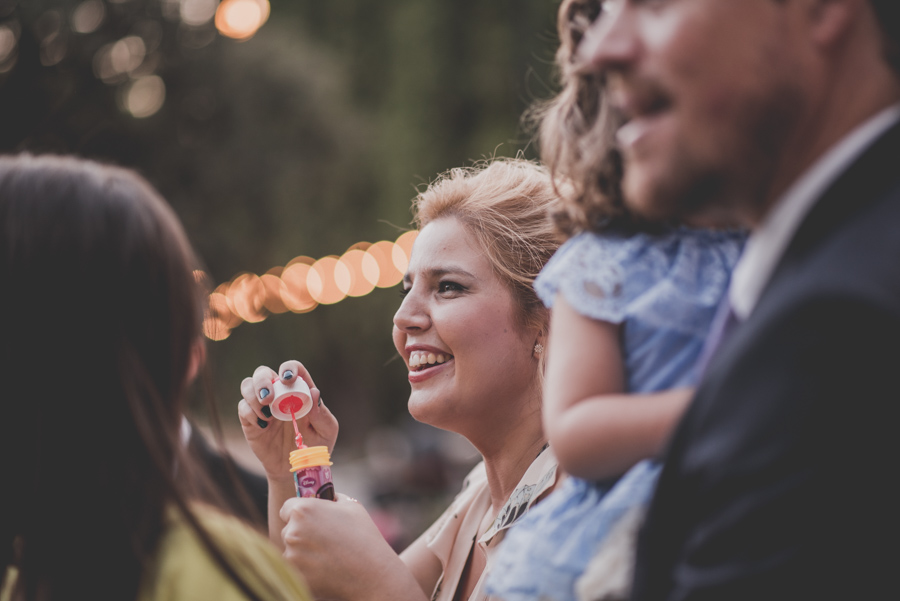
(196, 359)
(832, 20)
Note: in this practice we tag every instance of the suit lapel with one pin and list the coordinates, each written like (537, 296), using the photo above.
(862, 185)
(866, 181)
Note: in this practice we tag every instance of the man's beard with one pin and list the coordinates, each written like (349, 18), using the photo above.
(689, 193)
(726, 190)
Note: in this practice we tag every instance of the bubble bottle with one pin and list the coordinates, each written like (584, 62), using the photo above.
(311, 466)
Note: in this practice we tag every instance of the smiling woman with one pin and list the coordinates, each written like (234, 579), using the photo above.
(471, 331)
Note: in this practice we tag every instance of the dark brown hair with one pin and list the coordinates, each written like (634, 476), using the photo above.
(100, 315)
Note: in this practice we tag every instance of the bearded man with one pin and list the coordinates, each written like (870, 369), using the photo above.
(782, 116)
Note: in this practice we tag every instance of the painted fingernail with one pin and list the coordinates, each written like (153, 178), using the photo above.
(266, 411)
(261, 422)
(287, 375)
(263, 393)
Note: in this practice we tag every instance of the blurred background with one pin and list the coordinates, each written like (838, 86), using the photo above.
(285, 133)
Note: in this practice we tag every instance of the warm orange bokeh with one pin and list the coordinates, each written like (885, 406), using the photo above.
(248, 295)
(220, 308)
(363, 271)
(296, 296)
(241, 19)
(405, 242)
(383, 253)
(304, 283)
(275, 290)
(327, 280)
(215, 329)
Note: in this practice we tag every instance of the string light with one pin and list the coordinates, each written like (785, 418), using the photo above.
(305, 283)
(240, 19)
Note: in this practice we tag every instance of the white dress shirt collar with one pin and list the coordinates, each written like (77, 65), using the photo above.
(770, 239)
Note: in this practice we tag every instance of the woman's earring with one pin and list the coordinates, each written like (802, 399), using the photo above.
(538, 348)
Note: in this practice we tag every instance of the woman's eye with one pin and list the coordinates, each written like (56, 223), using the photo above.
(444, 287)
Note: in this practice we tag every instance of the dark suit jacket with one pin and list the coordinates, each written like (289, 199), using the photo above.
(781, 481)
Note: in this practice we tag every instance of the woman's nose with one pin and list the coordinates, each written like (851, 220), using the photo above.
(412, 314)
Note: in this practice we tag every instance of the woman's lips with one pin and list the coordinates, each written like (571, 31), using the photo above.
(421, 374)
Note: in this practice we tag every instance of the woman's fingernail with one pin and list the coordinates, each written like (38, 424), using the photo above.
(261, 422)
(266, 411)
(287, 375)
(263, 393)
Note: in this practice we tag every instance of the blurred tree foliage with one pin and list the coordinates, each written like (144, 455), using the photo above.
(307, 138)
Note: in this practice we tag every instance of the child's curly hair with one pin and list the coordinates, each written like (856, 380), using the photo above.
(577, 136)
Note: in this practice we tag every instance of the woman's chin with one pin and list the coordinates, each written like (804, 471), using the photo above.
(428, 409)
(419, 408)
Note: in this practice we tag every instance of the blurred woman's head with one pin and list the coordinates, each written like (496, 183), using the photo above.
(470, 319)
(100, 331)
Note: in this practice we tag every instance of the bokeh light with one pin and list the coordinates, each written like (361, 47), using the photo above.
(241, 19)
(215, 329)
(383, 253)
(145, 96)
(305, 283)
(127, 54)
(220, 307)
(363, 271)
(7, 43)
(88, 16)
(275, 291)
(323, 279)
(197, 12)
(114, 62)
(296, 297)
(221, 318)
(405, 241)
(248, 294)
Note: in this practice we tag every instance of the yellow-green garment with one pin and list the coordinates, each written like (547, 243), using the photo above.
(184, 571)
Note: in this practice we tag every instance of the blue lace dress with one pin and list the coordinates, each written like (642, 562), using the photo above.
(664, 291)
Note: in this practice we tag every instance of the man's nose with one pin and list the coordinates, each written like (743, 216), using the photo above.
(611, 42)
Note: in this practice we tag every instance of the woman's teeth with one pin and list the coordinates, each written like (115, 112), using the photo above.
(420, 358)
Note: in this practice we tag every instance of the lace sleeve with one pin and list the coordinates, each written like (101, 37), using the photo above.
(610, 277)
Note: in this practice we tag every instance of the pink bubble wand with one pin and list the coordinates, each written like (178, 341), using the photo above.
(292, 400)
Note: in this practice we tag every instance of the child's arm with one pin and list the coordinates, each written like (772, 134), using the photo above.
(596, 429)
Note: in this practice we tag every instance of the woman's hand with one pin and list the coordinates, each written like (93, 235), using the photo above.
(341, 553)
(271, 439)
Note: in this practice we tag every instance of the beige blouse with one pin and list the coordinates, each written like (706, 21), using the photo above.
(460, 522)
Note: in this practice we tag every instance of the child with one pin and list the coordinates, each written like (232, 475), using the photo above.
(631, 304)
(630, 312)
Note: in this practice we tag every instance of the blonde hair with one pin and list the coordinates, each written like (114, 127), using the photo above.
(505, 204)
